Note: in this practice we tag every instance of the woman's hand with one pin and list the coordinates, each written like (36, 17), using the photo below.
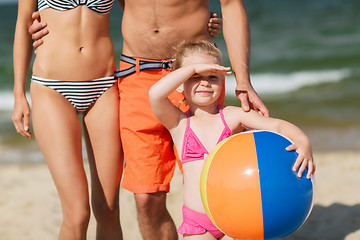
(21, 116)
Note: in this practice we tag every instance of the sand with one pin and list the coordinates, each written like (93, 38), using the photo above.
(30, 209)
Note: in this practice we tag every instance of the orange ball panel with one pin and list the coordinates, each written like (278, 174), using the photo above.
(224, 184)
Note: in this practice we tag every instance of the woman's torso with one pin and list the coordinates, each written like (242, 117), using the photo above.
(78, 46)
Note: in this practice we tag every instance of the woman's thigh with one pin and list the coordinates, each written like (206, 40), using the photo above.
(102, 137)
(57, 130)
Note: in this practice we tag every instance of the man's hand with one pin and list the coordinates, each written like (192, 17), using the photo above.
(37, 30)
(250, 99)
(214, 25)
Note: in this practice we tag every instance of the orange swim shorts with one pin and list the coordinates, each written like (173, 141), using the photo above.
(148, 149)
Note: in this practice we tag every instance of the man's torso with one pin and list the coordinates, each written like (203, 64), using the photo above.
(151, 29)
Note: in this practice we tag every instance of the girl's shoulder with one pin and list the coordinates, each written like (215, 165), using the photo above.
(234, 110)
(235, 118)
(231, 109)
(231, 115)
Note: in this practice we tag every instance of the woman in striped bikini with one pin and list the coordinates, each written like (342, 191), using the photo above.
(73, 74)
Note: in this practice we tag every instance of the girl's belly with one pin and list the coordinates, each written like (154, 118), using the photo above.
(192, 197)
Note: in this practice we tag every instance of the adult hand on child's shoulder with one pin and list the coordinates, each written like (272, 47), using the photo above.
(250, 99)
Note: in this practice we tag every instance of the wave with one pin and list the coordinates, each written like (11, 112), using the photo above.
(8, 2)
(7, 100)
(274, 83)
(17, 154)
(264, 83)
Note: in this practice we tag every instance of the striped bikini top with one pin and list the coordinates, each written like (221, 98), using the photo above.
(98, 6)
(193, 149)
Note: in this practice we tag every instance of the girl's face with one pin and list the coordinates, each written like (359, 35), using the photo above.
(202, 90)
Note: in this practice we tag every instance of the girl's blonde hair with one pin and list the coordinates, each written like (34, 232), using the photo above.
(185, 49)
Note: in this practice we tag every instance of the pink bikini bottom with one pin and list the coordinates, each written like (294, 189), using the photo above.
(197, 223)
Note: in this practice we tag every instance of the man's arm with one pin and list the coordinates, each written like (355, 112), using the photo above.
(237, 36)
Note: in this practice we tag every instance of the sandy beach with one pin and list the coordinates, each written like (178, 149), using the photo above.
(305, 66)
(30, 209)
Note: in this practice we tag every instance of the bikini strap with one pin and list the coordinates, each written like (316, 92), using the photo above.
(222, 117)
(188, 120)
(186, 133)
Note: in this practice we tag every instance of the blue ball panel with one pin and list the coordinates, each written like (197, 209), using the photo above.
(286, 199)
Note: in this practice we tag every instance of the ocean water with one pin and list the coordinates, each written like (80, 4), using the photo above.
(305, 65)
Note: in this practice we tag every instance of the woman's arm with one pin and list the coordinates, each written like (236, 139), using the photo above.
(22, 54)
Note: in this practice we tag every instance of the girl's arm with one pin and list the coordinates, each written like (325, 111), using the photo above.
(162, 107)
(22, 54)
(301, 144)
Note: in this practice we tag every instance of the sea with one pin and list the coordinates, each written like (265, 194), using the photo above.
(305, 66)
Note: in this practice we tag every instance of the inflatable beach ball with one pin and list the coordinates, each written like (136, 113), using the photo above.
(249, 190)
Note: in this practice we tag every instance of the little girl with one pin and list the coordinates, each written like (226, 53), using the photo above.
(198, 72)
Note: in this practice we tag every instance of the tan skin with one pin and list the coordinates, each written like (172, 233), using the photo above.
(162, 25)
(56, 124)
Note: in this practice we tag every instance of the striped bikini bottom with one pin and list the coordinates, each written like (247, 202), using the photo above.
(81, 94)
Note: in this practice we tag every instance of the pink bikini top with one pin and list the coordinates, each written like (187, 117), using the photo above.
(193, 149)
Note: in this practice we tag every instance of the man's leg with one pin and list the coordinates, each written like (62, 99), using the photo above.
(154, 219)
(148, 151)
